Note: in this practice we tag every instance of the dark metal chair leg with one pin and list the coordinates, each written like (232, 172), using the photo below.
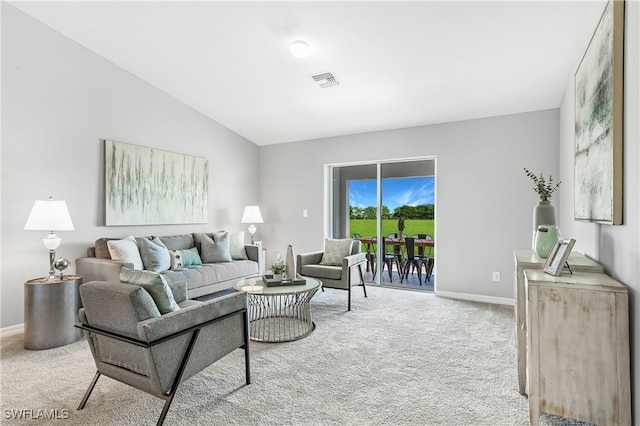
(247, 366)
(364, 287)
(89, 390)
(176, 380)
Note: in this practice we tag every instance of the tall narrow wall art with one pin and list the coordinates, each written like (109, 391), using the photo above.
(598, 122)
(146, 186)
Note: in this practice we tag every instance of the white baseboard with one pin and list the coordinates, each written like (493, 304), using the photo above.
(12, 330)
(476, 298)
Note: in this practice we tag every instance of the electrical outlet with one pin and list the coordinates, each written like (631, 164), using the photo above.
(305, 213)
(496, 276)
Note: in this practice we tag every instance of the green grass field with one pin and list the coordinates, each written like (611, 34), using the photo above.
(367, 227)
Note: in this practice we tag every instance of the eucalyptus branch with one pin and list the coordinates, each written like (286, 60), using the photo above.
(543, 188)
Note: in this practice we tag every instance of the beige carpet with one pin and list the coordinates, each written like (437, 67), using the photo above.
(398, 358)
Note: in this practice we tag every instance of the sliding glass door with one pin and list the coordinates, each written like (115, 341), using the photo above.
(372, 201)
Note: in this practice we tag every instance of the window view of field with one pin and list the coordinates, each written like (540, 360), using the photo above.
(409, 198)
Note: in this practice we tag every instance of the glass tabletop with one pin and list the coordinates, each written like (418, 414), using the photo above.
(257, 286)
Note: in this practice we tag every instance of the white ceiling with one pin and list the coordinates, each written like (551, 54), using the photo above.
(399, 64)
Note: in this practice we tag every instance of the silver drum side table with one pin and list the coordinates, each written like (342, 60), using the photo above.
(279, 314)
(50, 312)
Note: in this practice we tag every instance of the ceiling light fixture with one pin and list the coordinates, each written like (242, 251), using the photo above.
(299, 49)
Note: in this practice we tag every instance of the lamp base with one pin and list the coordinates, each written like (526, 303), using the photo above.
(52, 260)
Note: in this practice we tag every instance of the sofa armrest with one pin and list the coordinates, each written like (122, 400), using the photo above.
(97, 269)
(254, 253)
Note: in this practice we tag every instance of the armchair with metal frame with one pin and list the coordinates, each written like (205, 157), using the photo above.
(341, 276)
(131, 342)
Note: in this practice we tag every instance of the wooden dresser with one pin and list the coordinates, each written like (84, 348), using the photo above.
(527, 259)
(578, 347)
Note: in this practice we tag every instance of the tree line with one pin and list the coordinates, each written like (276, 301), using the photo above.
(423, 211)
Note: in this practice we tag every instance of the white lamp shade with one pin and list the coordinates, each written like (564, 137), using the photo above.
(49, 215)
(251, 215)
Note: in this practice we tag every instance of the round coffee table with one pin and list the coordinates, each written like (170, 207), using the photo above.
(280, 313)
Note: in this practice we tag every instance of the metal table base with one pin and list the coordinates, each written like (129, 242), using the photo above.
(280, 314)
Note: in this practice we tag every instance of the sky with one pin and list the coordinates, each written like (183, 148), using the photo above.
(396, 192)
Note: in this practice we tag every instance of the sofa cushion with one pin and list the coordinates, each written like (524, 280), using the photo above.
(178, 242)
(236, 246)
(154, 254)
(203, 275)
(335, 251)
(156, 286)
(101, 248)
(126, 250)
(215, 251)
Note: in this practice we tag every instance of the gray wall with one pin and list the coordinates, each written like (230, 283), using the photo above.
(59, 101)
(616, 247)
(484, 200)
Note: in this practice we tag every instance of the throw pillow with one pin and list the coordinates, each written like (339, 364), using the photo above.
(335, 251)
(126, 250)
(156, 286)
(216, 251)
(176, 259)
(182, 258)
(236, 246)
(155, 255)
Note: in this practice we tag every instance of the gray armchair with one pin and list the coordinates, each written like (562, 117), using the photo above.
(133, 343)
(344, 276)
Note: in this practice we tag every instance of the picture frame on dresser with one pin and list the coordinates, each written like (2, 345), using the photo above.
(558, 256)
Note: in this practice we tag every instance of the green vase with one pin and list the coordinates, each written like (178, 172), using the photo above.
(546, 236)
(543, 214)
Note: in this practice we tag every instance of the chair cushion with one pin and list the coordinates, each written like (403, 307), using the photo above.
(335, 251)
(322, 271)
(117, 307)
(156, 286)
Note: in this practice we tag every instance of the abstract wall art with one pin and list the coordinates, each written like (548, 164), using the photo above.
(598, 122)
(146, 186)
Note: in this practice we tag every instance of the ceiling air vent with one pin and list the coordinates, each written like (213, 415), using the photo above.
(326, 79)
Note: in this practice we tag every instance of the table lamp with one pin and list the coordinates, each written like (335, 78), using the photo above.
(252, 215)
(50, 215)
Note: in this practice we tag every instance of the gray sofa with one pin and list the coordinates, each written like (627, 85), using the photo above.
(200, 279)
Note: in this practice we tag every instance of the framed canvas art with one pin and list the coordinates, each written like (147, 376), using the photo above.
(147, 186)
(598, 122)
